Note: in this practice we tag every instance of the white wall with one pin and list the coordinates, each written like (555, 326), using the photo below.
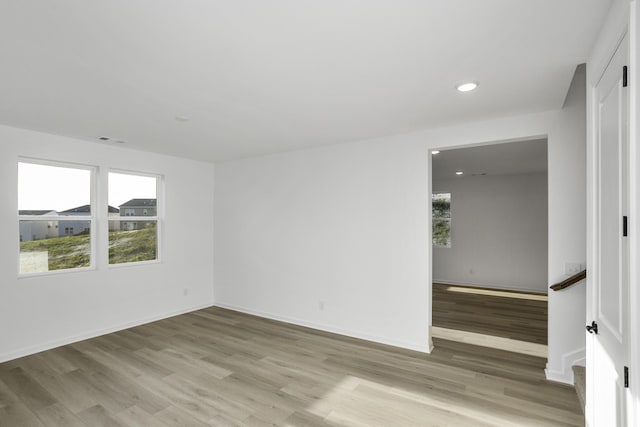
(333, 238)
(349, 225)
(45, 311)
(499, 232)
(567, 231)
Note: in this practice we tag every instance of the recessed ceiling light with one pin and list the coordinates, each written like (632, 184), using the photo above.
(467, 87)
(459, 172)
(182, 118)
(435, 152)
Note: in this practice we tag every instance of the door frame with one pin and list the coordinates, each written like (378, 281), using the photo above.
(596, 255)
(625, 25)
(430, 155)
(634, 212)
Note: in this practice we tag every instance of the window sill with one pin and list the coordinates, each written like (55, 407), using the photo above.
(55, 272)
(135, 264)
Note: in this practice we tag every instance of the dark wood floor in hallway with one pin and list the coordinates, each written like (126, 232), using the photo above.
(514, 315)
(219, 367)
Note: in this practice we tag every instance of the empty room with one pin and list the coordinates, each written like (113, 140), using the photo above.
(249, 213)
(490, 228)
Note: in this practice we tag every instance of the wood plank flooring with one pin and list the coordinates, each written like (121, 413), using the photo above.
(223, 368)
(524, 347)
(521, 317)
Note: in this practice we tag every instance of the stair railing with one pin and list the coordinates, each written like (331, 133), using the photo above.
(576, 278)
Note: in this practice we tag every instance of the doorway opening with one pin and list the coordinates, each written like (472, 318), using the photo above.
(490, 245)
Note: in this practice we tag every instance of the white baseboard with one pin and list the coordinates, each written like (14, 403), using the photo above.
(490, 286)
(564, 373)
(92, 334)
(423, 348)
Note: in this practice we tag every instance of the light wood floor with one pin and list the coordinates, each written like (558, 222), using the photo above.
(219, 367)
(517, 316)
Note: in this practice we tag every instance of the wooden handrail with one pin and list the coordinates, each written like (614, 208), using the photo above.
(570, 281)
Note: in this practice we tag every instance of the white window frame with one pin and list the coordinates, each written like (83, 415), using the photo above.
(93, 172)
(157, 217)
(441, 219)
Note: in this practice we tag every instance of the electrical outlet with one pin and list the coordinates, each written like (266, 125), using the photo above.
(571, 268)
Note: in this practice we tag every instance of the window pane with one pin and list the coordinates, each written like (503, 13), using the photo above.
(441, 205)
(441, 215)
(45, 246)
(44, 189)
(442, 233)
(132, 241)
(132, 195)
(58, 198)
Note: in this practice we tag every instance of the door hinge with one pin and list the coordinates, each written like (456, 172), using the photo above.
(624, 76)
(626, 377)
(625, 226)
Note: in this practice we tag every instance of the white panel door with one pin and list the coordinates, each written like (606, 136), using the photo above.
(610, 275)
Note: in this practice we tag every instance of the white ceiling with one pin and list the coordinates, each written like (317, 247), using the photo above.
(513, 158)
(256, 76)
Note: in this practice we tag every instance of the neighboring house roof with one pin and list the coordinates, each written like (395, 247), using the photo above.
(36, 212)
(145, 203)
(79, 209)
(87, 208)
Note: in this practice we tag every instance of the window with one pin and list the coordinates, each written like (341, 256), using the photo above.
(441, 220)
(133, 218)
(54, 199)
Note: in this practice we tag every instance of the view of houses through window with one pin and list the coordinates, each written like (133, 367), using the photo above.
(57, 219)
(133, 224)
(441, 220)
